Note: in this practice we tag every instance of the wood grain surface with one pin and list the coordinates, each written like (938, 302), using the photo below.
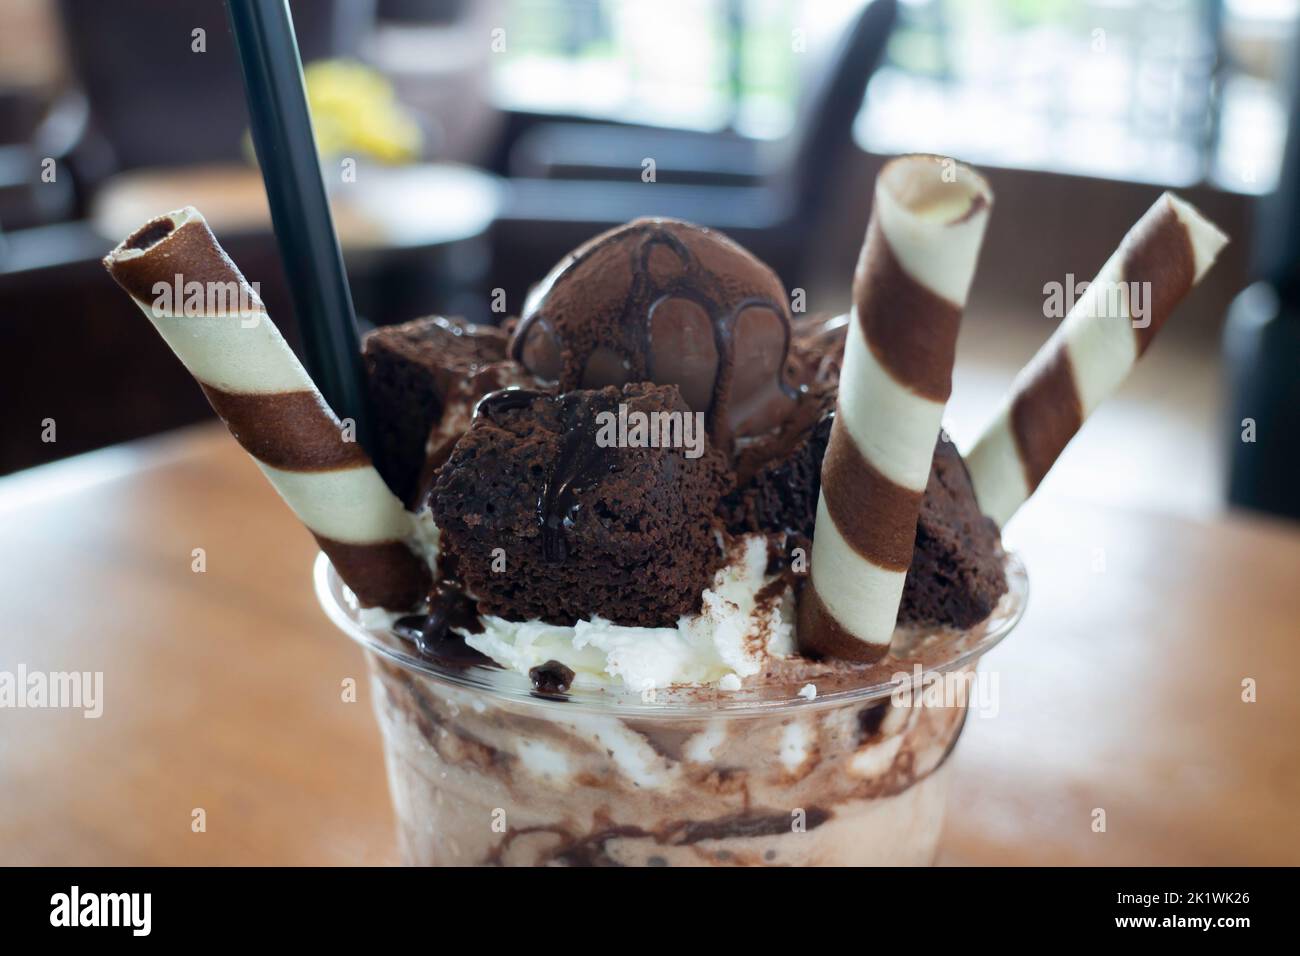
(223, 689)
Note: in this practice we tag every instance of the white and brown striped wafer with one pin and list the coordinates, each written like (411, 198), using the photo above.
(911, 283)
(1163, 256)
(266, 398)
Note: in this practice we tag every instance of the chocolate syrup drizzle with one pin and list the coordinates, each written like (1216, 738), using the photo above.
(593, 849)
(581, 461)
(432, 633)
(449, 607)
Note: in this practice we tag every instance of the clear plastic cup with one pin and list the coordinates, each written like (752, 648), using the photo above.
(483, 771)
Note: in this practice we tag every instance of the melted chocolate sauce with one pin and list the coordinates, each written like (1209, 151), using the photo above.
(506, 400)
(432, 633)
(580, 462)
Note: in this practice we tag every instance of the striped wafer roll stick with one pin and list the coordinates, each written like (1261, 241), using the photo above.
(216, 324)
(909, 288)
(1106, 331)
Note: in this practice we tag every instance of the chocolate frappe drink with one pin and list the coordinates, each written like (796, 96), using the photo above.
(707, 584)
(804, 763)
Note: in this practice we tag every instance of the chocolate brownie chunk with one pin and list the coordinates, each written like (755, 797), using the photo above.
(548, 519)
(957, 574)
(781, 492)
(414, 372)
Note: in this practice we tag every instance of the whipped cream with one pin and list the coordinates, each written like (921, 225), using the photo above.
(732, 637)
(425, 538)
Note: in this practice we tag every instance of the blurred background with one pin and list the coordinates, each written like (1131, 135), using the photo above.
(467, 144)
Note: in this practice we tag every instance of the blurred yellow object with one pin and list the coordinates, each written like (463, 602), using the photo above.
(354, 109)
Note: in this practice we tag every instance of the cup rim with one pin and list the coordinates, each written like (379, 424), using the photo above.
(341, 608)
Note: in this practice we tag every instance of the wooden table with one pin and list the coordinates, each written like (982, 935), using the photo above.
(1120, 691)
(384, 209)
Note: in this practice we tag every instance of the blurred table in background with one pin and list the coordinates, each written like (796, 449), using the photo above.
(1120, 691)
(415, 237)
(384, 209)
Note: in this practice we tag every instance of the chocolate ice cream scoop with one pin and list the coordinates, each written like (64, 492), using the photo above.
(667, 302)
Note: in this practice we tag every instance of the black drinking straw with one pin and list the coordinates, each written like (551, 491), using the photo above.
(286, 151)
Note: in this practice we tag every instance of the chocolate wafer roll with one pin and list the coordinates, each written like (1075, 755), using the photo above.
(911, 282)
(216, 324)
(1106, 331)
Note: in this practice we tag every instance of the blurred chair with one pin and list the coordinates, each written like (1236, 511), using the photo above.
(1261, 345)
(569, 180)
(72, 346)
(119, 51)
(36, 186)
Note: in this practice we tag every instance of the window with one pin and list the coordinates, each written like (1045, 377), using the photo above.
(1173, 92)
(699, 64)
(1166, 91)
